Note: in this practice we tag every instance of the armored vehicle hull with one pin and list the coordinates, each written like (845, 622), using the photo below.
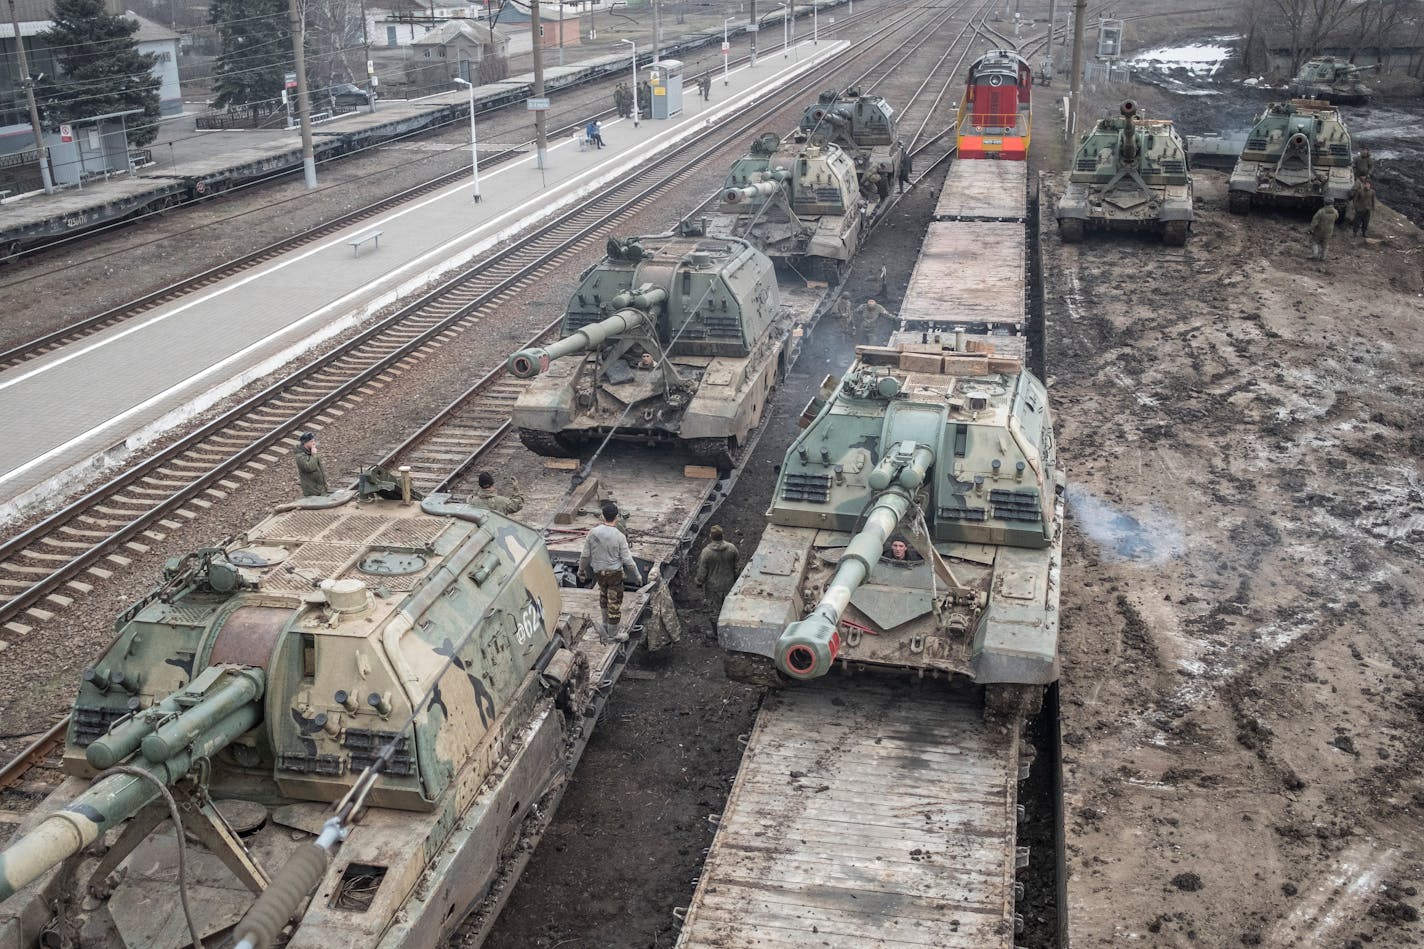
(670, 340)
(1298, 155)
(798, 202)
(406, 659)
(917, 524)
(1332, 80)
(862, 126)
(1129, 174)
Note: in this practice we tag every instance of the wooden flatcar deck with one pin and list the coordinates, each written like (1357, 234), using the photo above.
(864, 814)
(970, 275)
(977, 190)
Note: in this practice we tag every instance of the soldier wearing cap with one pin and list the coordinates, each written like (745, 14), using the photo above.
(309, 469)
(497, 502)
(717, 570)
(1364, 163)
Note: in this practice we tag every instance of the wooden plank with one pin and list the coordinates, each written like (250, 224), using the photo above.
(984, 191)
(970, 275)
(864, 814)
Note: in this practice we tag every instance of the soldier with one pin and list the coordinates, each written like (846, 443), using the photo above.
(866, 316)
(309, 470)
(606, 554)
(620, 104)
(1362, 199)
(645, 98)
(843, 309)
(704, 85)
(907, 165)
(717, 570)
(497, 502)
(1364, 164)
(1321, 227)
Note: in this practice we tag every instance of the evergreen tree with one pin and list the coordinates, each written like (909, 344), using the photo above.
(100, 69)
(255, 52)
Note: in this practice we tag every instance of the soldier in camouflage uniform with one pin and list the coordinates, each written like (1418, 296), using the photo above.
(1364, 163)
(1322, 226)
(309, 469)
(866, 317)
(1362, 201)
(717, 570)
(497, 502)
(606, 556)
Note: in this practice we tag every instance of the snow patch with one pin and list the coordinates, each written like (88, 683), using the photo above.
(1199, 59)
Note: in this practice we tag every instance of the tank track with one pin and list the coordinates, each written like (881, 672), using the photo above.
(1238, 202)
(1006, 701)
(1071, 230)
(718, 452)
(548, 444)
(1174, 233)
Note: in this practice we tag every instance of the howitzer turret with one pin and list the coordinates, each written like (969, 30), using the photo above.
(863, 126)
(681, 336)
(1297, 155)
(1333, 80)
(879, 552)
(634, 312)
(416, 651)
(1130, 173)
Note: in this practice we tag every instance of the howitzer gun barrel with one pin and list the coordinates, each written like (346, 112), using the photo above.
(634, 310)
(772, 181)
(1129, 131)
(808, 647)
(118, 797)
(839, 116)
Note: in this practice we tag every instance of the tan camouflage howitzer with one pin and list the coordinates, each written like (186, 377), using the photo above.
(797, 201)
(259, 680)
(947, 454)
(672, 339)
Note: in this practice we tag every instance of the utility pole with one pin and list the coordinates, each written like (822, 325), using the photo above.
(754, 31)
(541, 141)
(1052, 22)
(657, 33)
(299, 42)
(41, 152)
(1075, 82)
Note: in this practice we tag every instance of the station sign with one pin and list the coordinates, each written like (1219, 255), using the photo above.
(753, 27)
(726, 48)
(66, 134)
(536, 105)
(291, 80)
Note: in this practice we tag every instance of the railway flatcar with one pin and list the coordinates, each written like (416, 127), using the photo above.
(995, 118)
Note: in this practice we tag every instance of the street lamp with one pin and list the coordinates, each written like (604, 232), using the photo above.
(635, 81)
(815, 22)
(474, 143)
(725, 50)
(785, 22)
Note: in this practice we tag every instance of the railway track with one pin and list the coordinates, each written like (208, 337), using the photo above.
(45, 568)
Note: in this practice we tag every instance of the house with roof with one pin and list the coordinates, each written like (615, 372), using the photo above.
(465, 49)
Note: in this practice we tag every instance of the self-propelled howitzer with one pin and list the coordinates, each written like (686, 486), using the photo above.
(258, 682)
(798, 201)
(671, 339)
(863, 126)
(917, 524)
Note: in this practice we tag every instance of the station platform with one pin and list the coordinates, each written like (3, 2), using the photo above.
(76, 411)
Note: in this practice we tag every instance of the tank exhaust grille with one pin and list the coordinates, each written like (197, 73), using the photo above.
(812, 488)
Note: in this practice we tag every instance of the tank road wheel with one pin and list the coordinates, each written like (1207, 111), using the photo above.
(548, 444)
(1071, 230)
(1174, 234)
(1006, 701)
(718, 452)
(752, 669)
(1239, 202)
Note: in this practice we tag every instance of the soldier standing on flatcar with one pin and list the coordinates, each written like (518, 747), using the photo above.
(309, 469)
(607, 555)
(497, 502)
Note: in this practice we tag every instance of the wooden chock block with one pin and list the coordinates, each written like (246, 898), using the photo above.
(581, 495)
(561, 464)
(704, 472)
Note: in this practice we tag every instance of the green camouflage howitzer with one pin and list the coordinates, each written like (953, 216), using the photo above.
(917, 524)
(1298, 155)
(1333, 80)
(863, 126)
(672, 339)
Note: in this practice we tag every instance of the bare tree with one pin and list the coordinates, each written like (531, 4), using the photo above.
(1308, 23)
(337, 33)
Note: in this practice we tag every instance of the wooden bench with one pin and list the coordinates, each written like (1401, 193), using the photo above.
(360, 239)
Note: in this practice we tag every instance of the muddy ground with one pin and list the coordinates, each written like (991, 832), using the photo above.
(1241, 707)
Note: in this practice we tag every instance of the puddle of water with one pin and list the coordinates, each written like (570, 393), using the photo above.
(1146, 535)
